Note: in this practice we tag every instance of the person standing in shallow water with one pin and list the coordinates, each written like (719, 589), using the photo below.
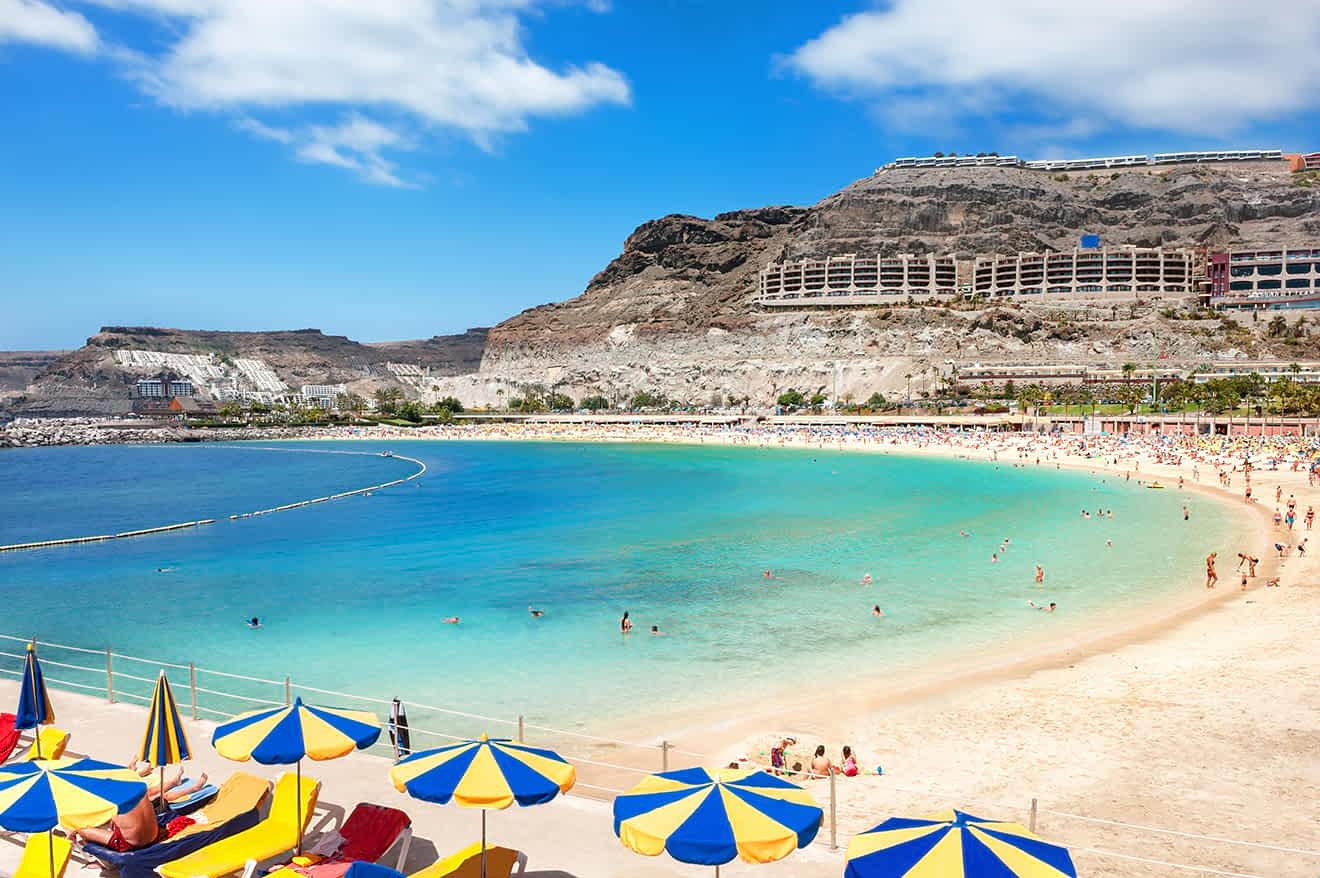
(625, 624)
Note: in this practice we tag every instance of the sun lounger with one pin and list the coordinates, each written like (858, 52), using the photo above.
(37, 854)
(500, 863)
(53, 741)
(368, 834)
(276, 835)
(235, 808)
(8, 735)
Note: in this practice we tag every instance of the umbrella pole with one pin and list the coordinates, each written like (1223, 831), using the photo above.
(483, 843)
(297, 804)
(162, 787)
(50, 841)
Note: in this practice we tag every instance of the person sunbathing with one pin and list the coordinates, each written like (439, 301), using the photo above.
(174, 791)
(129, 831)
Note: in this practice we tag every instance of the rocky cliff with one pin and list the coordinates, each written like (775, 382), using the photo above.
(92, 380)
(674, 313)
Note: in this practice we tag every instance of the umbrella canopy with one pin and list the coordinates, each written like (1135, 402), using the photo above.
(951, 844)
(708, 819)
(285, 735)
(165, 742)
(484, 774)
(76, 793)
(33, 703)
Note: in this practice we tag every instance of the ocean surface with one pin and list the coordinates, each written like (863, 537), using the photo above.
(352, 593)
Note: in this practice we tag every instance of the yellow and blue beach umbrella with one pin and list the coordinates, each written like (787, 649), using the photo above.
(34, 708)
(287, 735)
(76, 793)
(952, 844)
(165, 742)
(484, 774)
(709, 819)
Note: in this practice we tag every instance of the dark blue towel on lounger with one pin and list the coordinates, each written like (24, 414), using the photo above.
(142, 863)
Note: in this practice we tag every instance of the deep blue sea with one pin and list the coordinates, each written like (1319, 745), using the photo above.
(352, 593)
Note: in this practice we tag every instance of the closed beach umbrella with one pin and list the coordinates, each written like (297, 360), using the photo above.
(484, 774)
(710, 818)
(287, 735)
(953, 844)
(76, 793)
(33, 703)
(165, 742)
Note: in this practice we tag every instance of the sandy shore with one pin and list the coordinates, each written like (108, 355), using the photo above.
(1197, 715)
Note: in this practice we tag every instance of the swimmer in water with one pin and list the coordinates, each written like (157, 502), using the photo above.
(994, 559)
(1040, 574)
(655, 629)
(166, 569)
(866, 580)
(254, 622)
(877, 612)
(1035, 606)
(452, 620)
(962, 533)
(536, 614)
(766, 574)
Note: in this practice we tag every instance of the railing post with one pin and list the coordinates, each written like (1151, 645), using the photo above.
(192, 683)
(521, 738)
(664, 755)
(1033, 816)
(288, 692)
(109, 677)
(834, 814)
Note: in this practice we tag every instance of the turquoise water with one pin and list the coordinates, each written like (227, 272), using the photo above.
(353, 592)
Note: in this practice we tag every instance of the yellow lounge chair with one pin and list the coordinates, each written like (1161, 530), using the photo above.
(276, 835)
(239, 794)
(37, 856)
(467, 863)
(53, 742)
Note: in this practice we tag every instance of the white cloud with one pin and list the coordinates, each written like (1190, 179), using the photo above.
(39, 23)
(457, 65)
(1180, 65)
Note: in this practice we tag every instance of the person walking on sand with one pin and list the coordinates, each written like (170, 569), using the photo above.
(1211, 577)
(1310, 516)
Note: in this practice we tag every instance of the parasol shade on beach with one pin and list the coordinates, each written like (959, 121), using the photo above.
(484, 774)
(710, 818)
(34, 708)
(165, 742)
(287, 735)
(36, 796)
(952, 844)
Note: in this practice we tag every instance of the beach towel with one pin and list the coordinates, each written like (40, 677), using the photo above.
(8, 735)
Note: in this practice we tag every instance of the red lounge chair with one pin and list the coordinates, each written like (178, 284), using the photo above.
(369, 833)
(8, 735)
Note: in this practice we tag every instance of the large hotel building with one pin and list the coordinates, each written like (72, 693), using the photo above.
(1114, 273)
(1265, 279)
(858, 280)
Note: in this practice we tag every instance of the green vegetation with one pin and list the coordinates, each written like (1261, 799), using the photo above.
(791, 399)
(595, 403)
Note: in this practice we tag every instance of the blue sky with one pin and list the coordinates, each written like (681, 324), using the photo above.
(393, 169)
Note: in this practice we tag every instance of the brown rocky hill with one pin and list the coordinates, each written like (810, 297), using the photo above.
(91, 381)
(674, 312)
